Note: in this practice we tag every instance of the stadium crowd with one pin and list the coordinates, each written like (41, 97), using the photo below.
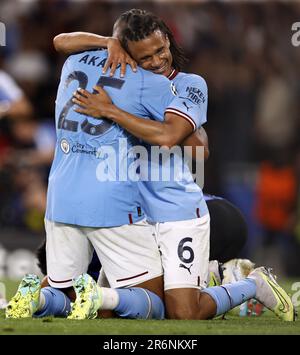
(244, 52)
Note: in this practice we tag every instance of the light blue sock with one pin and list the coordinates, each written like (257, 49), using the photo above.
(138, 303)
(231, 295)
(56, 303)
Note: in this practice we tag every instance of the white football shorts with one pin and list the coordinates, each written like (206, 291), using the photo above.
(129, 254)
(184, 248)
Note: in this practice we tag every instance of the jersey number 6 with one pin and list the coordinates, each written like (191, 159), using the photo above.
(189, 253)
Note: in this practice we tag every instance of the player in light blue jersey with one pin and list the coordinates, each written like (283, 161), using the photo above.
(150, 43)
(91, 202)
(177, 206)
(76, 194)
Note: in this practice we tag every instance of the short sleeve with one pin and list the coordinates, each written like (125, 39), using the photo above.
(191, 101)
(156, 95)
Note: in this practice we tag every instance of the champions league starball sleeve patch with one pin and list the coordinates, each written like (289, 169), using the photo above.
(173, 89)
(191, 100)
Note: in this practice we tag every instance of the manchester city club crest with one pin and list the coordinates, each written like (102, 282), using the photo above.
(65, 146)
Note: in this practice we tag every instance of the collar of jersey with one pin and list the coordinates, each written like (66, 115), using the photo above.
(172, 75)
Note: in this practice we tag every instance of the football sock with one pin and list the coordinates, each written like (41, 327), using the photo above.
(229, 296)
(135, 303)
(53, 302)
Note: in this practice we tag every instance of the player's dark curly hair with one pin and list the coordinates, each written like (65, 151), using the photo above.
(136, 24)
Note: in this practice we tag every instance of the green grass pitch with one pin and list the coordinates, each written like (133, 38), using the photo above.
(266, 324)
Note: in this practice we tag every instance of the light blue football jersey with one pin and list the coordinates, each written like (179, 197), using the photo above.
(192, 98)
(81, 189)
(177, 199)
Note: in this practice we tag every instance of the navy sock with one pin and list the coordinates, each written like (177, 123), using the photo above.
(138, 303)
(56, 303)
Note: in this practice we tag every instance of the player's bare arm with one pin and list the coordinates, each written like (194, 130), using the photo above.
(168, 133)
(73, 42)
(197, 139)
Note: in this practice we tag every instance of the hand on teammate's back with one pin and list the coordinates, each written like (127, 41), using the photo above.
(91, 104)
(117, 55)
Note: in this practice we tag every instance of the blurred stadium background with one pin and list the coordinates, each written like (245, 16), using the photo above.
(242, 49)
